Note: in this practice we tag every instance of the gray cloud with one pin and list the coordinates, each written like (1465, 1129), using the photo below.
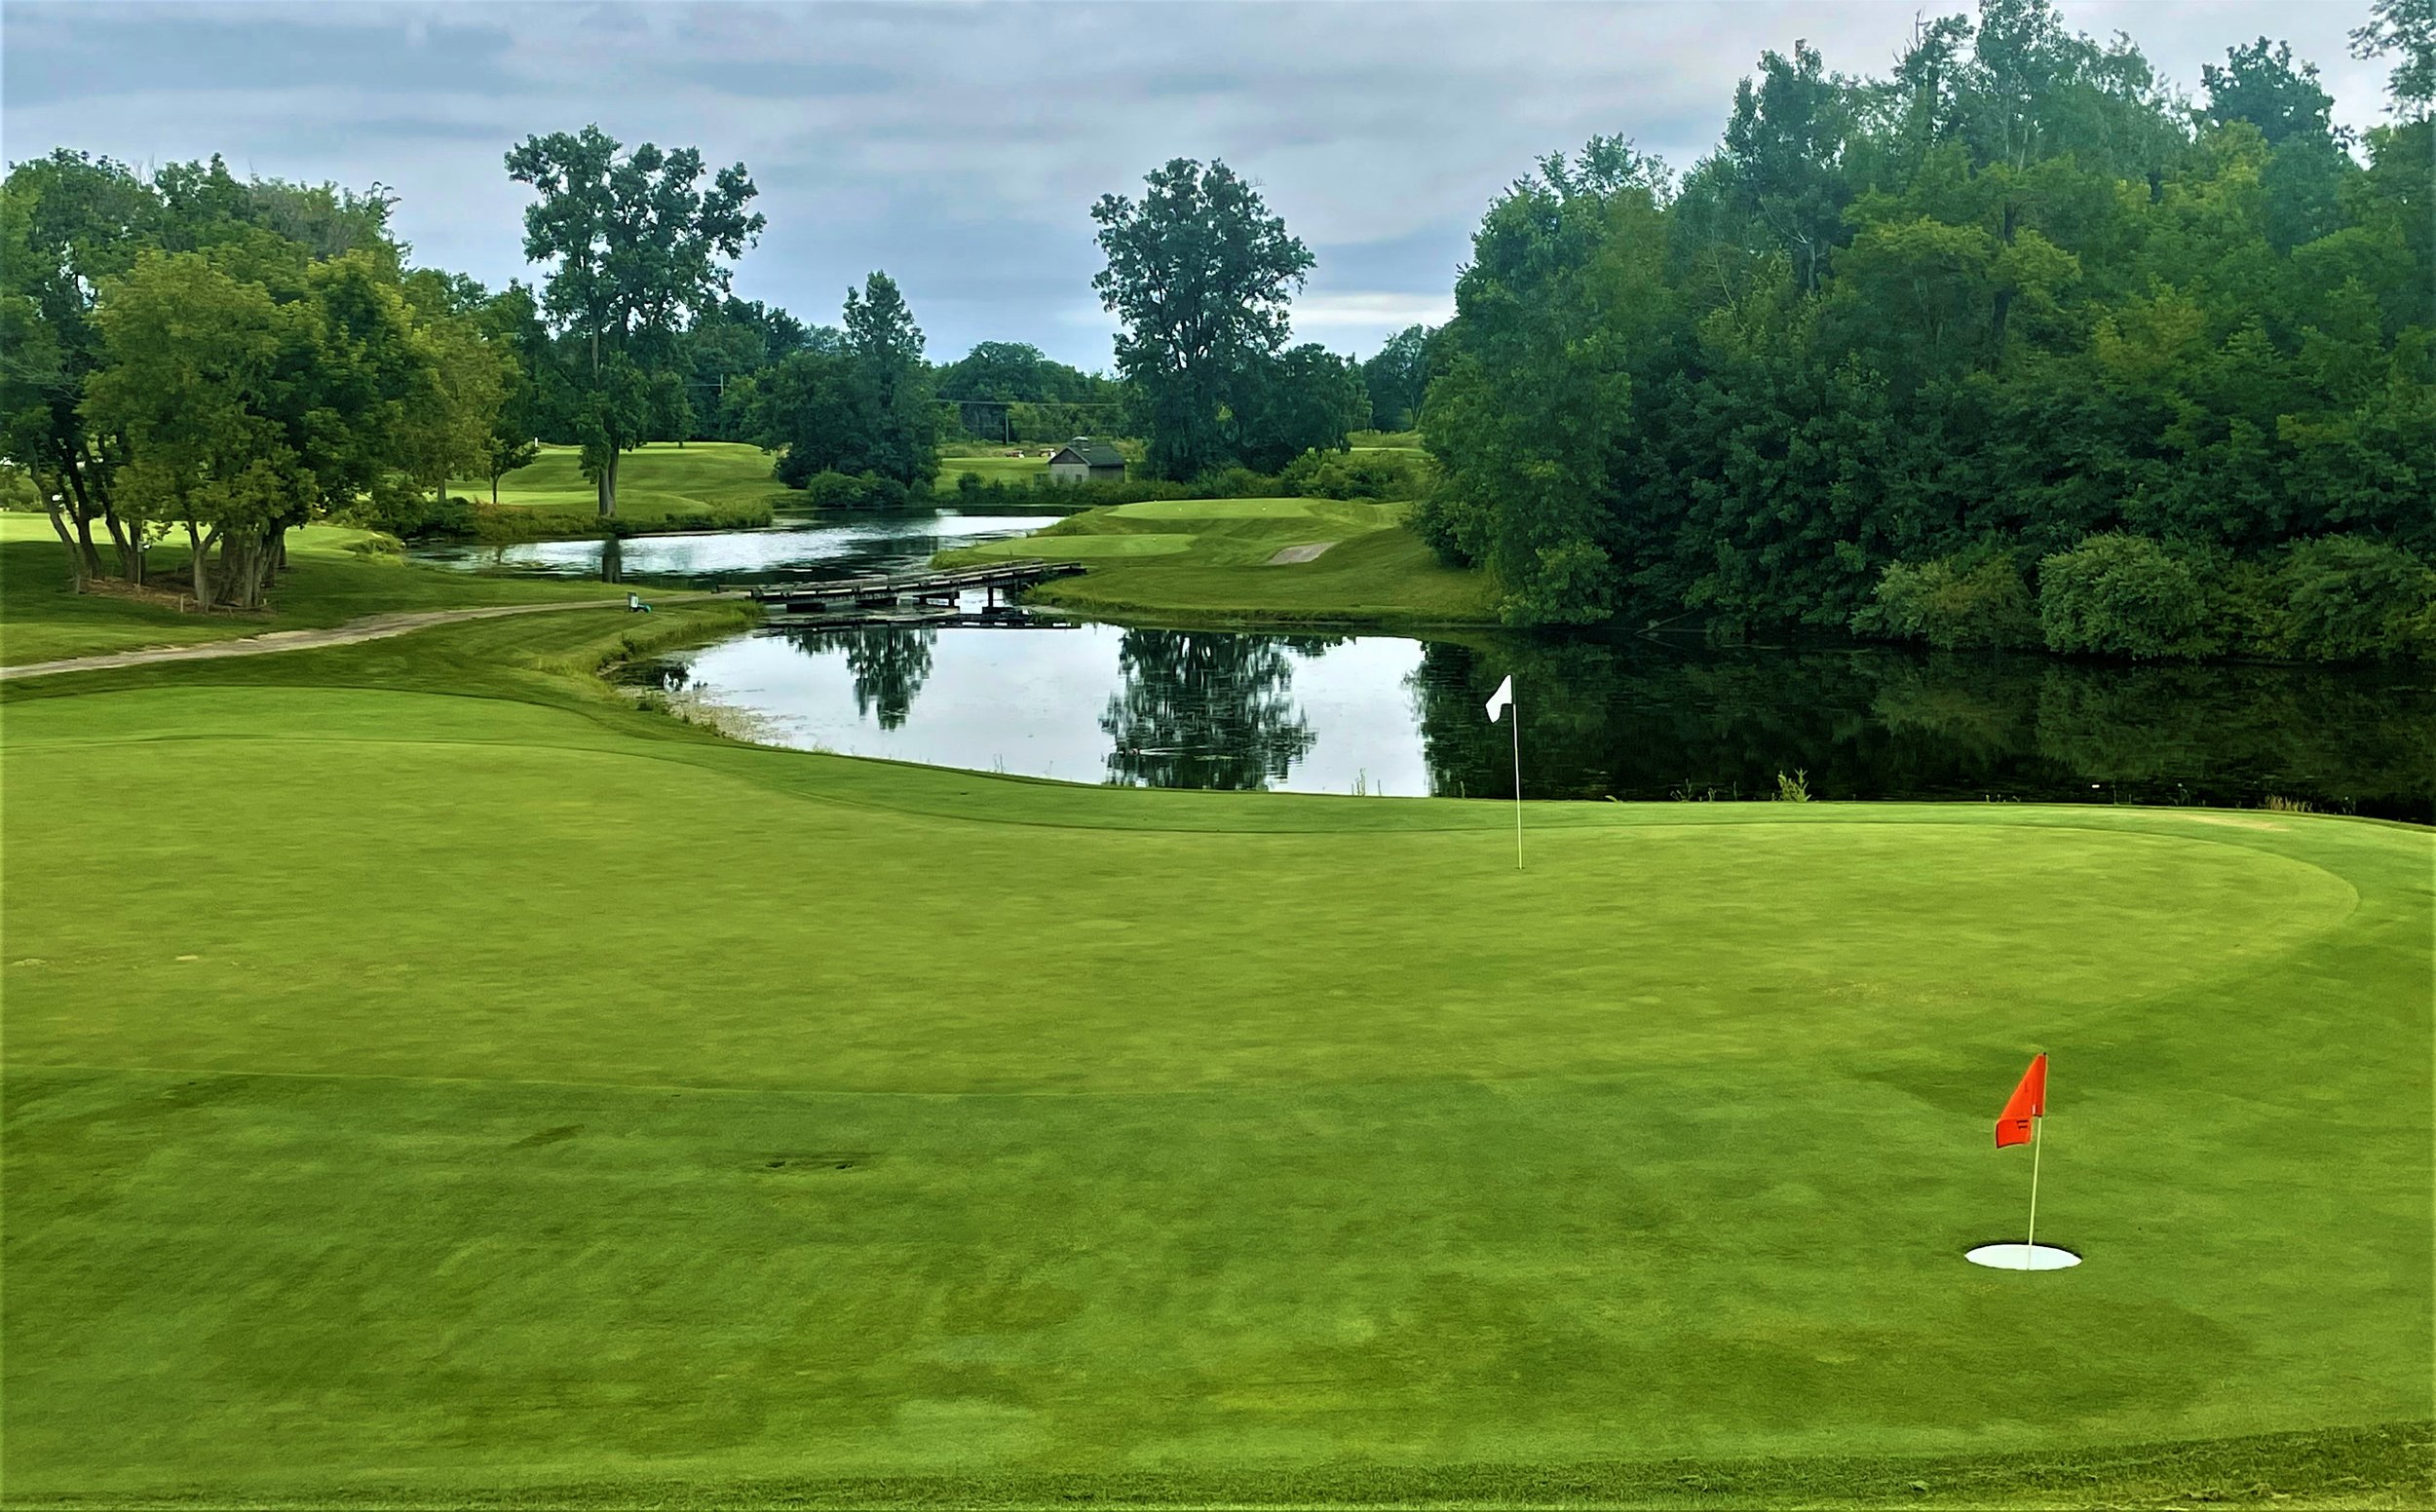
(961, 146)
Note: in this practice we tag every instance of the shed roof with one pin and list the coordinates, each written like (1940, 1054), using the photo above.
(1091, 452)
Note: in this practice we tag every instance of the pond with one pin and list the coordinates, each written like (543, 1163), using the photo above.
(795, 547)
(1628, 717)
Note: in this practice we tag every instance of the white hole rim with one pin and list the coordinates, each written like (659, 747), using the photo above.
(2022, 1257)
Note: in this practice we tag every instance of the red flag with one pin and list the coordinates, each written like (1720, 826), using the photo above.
(2028, 1101)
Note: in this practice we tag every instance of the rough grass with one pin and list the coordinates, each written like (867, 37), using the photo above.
(1376, 571)
(700, 486)
(328, 582)
(546, 1103)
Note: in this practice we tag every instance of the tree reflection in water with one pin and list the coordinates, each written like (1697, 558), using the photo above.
(1638, 720)
(888, 664)
(1206, 709)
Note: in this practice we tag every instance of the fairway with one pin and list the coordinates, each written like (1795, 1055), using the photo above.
(1215, 561)
(554, 1097)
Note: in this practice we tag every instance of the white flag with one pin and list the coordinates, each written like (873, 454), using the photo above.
(1500, 700)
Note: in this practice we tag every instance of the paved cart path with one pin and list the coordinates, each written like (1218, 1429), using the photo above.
(369, 627)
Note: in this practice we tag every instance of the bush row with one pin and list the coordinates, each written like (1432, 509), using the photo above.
(2333, 598)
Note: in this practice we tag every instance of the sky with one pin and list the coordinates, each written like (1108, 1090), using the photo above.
(960, 147)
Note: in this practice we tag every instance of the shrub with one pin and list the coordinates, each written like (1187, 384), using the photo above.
(855, 491)
(1236, 482)
(409, 514)
(1795, 788)
(2349, 598)
(1453, 528)
(1337, 474)
(1572, 583)
(2125, 596)
(1953, 604)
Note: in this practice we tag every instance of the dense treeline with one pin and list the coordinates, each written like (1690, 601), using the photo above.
(2011, 345)
(1010, 390)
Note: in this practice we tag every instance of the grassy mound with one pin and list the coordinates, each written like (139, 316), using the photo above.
(547, 1100)
(700, 486)
(331, 578)
(1225, 567)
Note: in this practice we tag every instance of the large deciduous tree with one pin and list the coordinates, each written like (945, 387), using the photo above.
(1200, 274)
(637, 245)
(247, 403)
(854, 401)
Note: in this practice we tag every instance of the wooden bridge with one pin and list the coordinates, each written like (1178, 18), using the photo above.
(843, 598)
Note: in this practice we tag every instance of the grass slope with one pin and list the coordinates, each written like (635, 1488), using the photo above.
(537, 1101)
(1211, 559)
(327, 582)
(700, 486)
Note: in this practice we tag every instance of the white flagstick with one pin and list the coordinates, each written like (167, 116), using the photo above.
(1517, 713)
(2031, 1242)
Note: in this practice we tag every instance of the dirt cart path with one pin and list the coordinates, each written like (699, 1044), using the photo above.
(371, 627)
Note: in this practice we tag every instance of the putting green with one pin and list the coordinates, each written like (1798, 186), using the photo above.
(501, 1093)
(1081, 547)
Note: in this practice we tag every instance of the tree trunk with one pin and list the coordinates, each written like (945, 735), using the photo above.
(199, 565)
(79, 542)
(84, 539)
(609, 486)
(130, 549)
(246, 559)
(78, 575)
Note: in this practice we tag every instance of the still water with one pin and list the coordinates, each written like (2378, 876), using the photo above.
(1628, 717)
(738, 558)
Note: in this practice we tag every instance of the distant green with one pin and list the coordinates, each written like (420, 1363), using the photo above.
(331, 578)
(510, 1093)
(1216, 563)
(698, 485)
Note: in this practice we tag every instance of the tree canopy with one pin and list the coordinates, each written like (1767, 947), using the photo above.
(228, 358)
(2013, 297)
(1200, 274)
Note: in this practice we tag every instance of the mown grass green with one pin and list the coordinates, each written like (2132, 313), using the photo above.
(330, 579)
(1374, 570)
(537, 1099)
(699, 485)
(1028, 467)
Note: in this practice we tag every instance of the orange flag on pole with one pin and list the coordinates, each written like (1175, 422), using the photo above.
(2028, 1101)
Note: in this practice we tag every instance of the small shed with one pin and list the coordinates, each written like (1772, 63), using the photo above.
(1086, 460)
